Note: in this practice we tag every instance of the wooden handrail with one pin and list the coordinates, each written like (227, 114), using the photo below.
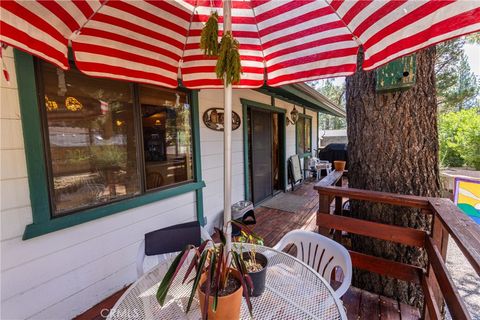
(397, 270)
(407, 236)
(330, 180)
(456, 306)
(430, 303)
(436, 282)
(461, 228)
(376, 196)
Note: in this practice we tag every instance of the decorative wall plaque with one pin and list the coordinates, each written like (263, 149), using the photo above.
(213, 119)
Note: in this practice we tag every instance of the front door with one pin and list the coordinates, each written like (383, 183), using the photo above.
(265, 164)
(261, 152)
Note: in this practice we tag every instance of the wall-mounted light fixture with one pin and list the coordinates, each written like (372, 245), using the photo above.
(72, 104)
(293, 116)
(51, 105)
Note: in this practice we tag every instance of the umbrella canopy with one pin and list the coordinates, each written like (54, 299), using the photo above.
(280, 41)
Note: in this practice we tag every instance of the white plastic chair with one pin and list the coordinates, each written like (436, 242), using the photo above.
(151, 261)
(320, 253)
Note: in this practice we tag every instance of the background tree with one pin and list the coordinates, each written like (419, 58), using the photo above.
(393, 147)
(457, 85)
(336, 93)
(459, 134)
(473, 38)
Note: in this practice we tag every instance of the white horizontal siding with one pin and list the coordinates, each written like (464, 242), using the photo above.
(11, 134)
(9, 103)
(62, 274)
(14, 222)
(13, 164)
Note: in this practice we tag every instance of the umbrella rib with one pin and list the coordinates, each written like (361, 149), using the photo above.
(188, 29)
(355, 38)
(259, 38)
(77, 32)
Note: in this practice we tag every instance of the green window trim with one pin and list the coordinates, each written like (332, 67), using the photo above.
(249, 103)
(305, 154)
(43, 223)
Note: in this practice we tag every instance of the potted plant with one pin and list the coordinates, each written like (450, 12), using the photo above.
(339, 165)
(220, 279)
(255, 262)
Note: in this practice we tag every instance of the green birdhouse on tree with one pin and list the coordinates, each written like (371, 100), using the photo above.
(396, 75)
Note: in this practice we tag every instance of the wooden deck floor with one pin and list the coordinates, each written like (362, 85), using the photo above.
(272, 225)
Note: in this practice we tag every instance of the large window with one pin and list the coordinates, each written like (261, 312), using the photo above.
(304, 135)
(167, 137)
(108, 140)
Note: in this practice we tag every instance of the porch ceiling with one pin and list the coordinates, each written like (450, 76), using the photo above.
(303, 95)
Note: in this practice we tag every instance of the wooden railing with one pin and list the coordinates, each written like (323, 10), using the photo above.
(448, 220)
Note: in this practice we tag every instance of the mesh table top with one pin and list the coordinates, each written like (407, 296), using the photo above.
(293, 291)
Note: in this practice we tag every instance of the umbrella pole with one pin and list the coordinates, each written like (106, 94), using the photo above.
(227, 137)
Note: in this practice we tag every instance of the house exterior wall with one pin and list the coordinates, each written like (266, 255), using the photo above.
(333, 136)
(212, 149)
(61, 274)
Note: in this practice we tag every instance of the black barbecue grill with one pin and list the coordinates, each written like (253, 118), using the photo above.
(333, 152)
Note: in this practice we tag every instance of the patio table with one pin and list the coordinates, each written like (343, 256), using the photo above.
(293, 291)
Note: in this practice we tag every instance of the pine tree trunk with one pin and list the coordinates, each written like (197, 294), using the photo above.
(392, 147)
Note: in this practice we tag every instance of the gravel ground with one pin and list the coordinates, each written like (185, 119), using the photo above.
(465, 278)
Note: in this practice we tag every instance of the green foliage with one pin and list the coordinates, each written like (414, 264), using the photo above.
(109, 156)
(336, 93)
(457, 85)
(459, 137)
(473, 38)
(229, 66)
(216, 263)
(209, 36)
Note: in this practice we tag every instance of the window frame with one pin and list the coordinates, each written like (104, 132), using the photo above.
(38, 179)
(304, 116)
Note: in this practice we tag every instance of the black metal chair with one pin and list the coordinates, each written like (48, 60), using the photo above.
(166, 242)
(247, 219)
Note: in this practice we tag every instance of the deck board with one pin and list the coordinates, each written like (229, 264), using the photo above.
(272, 225)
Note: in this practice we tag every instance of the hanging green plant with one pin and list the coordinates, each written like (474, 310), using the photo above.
(209, 36)
(229, 66)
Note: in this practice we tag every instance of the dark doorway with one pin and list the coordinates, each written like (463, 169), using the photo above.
(265, 143)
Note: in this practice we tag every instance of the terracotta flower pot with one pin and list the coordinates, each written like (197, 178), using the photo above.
(339, 165)
(228, 307)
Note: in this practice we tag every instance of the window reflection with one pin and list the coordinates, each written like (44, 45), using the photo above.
(91, 135)
(300, 127)
(303, 128)
(167, 136)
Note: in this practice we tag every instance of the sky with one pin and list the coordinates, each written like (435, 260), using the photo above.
(473, 53)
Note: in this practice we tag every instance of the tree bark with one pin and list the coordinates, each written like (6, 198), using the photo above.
(392, 147)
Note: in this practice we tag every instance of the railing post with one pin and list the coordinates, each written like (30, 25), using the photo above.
(440, 238)
(324, 202)
(337, 236)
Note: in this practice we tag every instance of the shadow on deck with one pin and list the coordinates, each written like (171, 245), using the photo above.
(273, 224)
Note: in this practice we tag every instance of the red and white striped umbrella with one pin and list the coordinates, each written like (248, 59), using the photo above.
(280, 41)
